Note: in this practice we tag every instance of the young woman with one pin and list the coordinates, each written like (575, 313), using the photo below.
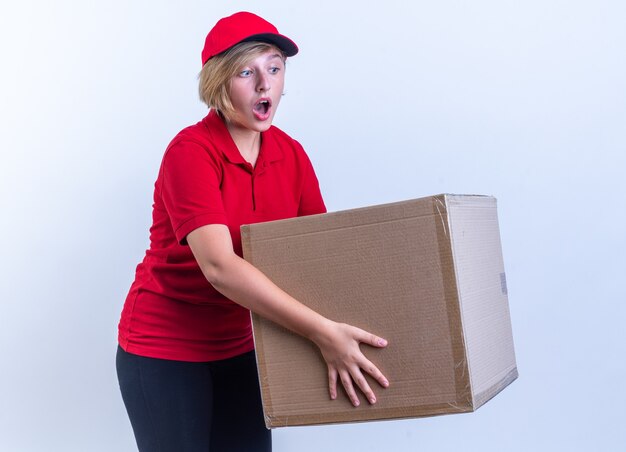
(185, 359)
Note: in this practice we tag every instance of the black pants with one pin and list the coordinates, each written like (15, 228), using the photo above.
(177, 406)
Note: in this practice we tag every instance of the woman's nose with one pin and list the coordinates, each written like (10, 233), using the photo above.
(262, 83)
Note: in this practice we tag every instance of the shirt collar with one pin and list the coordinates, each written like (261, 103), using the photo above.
(216, 127)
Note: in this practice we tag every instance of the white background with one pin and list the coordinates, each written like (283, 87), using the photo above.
(393, 100)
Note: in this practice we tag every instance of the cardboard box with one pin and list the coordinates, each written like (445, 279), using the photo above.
(426, 274)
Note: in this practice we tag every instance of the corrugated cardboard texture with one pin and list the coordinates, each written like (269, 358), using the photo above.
(388, 269)
(481, 283)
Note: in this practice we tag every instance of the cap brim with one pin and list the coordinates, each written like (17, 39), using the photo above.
(282, 42)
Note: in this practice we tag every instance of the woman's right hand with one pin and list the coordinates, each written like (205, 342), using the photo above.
(339, 344)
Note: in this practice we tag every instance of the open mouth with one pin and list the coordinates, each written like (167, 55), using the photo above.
(262, 108)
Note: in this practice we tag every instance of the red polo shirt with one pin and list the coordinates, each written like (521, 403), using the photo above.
(171, 310)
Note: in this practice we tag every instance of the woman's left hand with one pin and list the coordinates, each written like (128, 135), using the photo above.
(340, 347)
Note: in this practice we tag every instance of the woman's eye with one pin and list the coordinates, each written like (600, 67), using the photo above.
(245, 73)
(274, 70)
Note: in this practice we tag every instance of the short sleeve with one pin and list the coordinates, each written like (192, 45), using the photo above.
(191, 179)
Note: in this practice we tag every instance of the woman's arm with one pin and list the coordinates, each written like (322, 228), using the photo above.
(241, 282)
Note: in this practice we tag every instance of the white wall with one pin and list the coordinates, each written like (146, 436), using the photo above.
(522, 100)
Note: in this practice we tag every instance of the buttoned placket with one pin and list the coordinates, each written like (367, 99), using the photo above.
(255, 171)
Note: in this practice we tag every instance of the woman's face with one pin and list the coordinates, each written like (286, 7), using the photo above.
(256, 90)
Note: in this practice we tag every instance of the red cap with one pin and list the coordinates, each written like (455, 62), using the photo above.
(241, 27)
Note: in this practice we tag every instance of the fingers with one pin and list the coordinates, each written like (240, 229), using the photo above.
(346, 381)
(347, 378)
(354, 375)
(371, 369)
(361, 382)
(332, 382)
(366, 365)
(347, 363)
(372, 339)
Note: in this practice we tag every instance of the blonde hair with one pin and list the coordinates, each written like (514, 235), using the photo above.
(217, 72)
